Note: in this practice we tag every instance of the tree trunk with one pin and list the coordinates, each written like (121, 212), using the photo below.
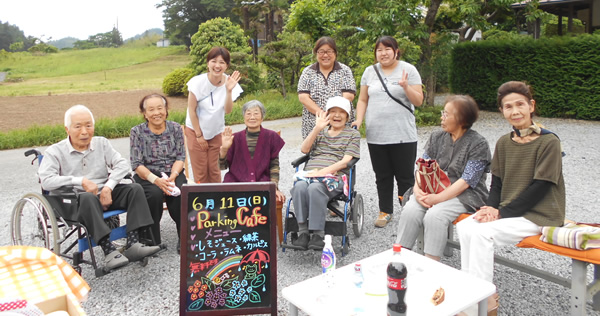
(246, 18)
(282, 76)
(426, 52)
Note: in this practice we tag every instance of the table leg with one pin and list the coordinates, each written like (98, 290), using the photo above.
(293, 310)
(482, 307)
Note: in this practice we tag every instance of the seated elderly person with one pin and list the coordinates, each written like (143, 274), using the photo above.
(92, 168)
(157, 148)
(252, 155)
(331, 145)
(465, 156)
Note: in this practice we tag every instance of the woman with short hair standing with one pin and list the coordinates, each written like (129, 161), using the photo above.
(322, 80)
(211, 96)
(390, 126)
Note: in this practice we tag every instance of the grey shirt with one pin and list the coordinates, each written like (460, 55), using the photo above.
(468, 158)
(63, 167)
(388, 122)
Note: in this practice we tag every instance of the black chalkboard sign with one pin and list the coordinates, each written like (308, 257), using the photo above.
(228, 249)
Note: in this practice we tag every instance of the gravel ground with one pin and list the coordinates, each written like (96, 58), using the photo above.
(154, 289)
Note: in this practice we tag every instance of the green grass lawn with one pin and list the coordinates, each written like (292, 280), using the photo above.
(101, 69)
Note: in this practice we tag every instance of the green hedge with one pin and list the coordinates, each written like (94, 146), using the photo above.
(563, 71)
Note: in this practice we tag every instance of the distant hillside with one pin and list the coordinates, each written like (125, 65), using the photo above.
(150, 32)
(66, 42)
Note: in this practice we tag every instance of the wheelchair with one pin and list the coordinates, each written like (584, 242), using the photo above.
(353, 210)
(35, 222)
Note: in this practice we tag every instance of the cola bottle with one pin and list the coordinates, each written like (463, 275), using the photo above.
(396, 282)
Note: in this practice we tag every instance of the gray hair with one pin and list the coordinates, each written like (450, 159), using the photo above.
(254, 104)
(77, 108)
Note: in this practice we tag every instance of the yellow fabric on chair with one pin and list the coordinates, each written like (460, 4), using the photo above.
(37, 274)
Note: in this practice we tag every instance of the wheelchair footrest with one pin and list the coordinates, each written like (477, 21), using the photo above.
(117, 233)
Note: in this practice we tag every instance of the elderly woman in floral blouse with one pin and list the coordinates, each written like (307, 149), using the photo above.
(157, 147)
(322, 80)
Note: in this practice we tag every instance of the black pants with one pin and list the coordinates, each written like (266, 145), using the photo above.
(129, 197)
(389, 162)
(155, 197)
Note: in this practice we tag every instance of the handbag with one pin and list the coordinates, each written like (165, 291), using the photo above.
(578, 236)
(388, 92)
(430, 177)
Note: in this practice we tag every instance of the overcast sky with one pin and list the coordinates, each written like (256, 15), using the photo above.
(81, 18)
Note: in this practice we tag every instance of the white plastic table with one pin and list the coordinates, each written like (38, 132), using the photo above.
(424, 277)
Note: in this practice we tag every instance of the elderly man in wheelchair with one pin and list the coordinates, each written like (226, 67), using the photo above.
(332, 145)
(92, 168)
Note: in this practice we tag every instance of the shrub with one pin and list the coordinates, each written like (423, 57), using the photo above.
(216, 32)
(563, 72)
(42, 48)
(175, 82)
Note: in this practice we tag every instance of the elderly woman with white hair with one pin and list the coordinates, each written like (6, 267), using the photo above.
(331, 145)
(252, 154)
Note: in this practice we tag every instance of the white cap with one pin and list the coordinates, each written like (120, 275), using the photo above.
(327, 238)
(339, 102)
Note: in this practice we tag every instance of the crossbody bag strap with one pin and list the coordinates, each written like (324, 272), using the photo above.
(388, 92)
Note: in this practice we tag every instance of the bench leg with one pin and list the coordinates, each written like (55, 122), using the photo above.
(448, 251)
(578, 287)
(279, 209)
(419, 243)
(596, 296)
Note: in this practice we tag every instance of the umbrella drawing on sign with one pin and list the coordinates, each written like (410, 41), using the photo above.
(259, 256)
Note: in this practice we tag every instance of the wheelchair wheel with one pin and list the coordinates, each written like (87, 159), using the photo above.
(33, 223)
(358, 215)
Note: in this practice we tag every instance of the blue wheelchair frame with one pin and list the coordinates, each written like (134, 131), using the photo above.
(83, 242)
(353, 210)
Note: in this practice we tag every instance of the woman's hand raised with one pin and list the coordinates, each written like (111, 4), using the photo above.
(227, 138)
(232, 81)
(321, 121)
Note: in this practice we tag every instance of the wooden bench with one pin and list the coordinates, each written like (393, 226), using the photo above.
(580, 290)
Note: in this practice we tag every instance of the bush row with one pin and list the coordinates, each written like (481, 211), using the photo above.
(563, 71)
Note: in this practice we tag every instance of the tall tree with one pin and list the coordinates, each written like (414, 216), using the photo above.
(417, 20)
(182, 17)
(12, 34)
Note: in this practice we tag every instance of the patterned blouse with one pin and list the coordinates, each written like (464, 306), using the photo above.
(158, 153)
(313, 82)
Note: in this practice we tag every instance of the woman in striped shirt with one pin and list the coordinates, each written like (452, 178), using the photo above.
(331, 145)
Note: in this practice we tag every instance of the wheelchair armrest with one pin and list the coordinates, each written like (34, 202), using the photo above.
(353, 162)
(300, 160)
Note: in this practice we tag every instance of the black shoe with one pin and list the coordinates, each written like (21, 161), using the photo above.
(301, 243)
(316, 242)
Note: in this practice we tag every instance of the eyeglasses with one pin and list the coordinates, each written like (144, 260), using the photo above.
(323, 52)
(444, 114)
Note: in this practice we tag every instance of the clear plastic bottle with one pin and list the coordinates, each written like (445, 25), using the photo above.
(358, 278)
(328, 261)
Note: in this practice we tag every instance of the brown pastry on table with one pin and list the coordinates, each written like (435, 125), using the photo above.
(438, 296)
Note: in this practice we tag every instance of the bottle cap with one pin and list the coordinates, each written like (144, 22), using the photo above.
(397, 247)
(327, 238)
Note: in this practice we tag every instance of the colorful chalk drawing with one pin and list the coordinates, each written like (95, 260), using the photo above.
(227, 266)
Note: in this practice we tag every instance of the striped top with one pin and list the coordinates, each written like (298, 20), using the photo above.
(328, 150)
(517, 165)
(158, 153)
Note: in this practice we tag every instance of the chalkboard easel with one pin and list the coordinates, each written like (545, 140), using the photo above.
(228, 249)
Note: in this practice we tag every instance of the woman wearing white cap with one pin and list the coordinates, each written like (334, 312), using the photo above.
(331, 145)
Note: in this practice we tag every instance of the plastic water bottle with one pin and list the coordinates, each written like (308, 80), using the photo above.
(358, 278)
(328, 261)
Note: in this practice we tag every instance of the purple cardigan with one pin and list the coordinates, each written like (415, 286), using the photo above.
(243, 168)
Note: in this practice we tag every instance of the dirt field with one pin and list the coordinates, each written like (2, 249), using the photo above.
(23, 112)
